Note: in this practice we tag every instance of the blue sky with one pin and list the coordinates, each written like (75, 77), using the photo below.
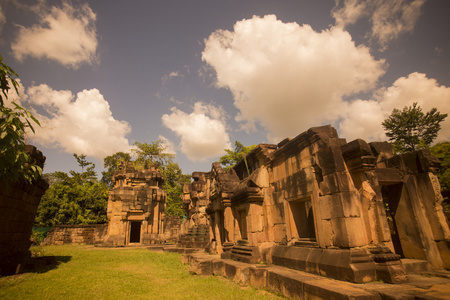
(201, 74)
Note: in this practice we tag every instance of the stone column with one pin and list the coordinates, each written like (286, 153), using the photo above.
(217, 231)
(155, 218)
(229, 223)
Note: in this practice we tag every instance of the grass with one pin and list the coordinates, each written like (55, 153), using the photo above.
(87, 272)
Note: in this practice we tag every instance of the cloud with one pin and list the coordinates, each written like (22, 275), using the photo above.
(203, 132)
(389, 19)
(288, 77)
(363, 117)
(171, 75)
(170, 147)
(81, 124)
(66, 35)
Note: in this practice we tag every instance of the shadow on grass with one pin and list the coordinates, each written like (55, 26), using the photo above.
(42, 264)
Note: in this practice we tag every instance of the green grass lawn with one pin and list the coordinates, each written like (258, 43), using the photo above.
(87, 272)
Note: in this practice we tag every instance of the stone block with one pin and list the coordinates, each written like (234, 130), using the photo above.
(330, 160)
(258, 276)
(331, 207)
(201, 266)
(348, 232)
(336, 182)
(351, 204)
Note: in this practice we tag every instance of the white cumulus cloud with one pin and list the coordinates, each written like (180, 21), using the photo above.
(203, 132)
(288, 77)
(65, 34)
(364, 117)
(81, 124)
(389, 19)
(170, 147)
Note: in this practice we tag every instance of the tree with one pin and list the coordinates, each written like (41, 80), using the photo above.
(230, 159)
(78, 198)
(442, 151)
(111, 163)
(411, 129)
(148, 154)
(15, 163)
(173, 185)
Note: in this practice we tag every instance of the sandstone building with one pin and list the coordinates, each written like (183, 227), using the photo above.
(136, 206)
(316, 203)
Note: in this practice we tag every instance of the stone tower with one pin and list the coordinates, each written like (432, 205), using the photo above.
(136, 206)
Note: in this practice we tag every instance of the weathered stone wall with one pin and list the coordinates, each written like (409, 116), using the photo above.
(172, 227)
(318, 203)
(18, 208)
(76, 234)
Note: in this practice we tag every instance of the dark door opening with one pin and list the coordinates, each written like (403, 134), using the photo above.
(135, 232)
(391, 197)
(302, 226)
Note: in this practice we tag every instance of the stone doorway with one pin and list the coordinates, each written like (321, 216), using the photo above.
(242, 222)
(301, 220)
(392, 195)
(135, 232)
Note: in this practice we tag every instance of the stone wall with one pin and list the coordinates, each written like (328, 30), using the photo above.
(76, 234)
(18, 208)
(172, 227)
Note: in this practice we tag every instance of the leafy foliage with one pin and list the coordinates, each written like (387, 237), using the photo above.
(148, 154)
(442, 151)
(233, 157)
(112, 163)
(15, 163)
(411, 129)
(77, 198)
(173, 185)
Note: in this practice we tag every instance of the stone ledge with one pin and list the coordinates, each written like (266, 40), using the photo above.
(295, 284)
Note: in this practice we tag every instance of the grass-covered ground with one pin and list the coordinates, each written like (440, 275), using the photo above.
(87, 272)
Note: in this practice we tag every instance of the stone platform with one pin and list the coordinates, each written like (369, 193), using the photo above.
(295, 284)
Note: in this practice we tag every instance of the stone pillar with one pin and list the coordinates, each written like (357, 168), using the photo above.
(155, 218)
(424, 227)
(217, 231)
(228, 223)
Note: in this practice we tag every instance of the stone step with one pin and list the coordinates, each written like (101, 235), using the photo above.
(416, 265)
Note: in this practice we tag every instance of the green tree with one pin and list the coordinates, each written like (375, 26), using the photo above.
(78, 198)
(15, 163)
(410, 129)
(230, 159)
(148, 154)
(442, 151)
(173, 185)
(111, 163)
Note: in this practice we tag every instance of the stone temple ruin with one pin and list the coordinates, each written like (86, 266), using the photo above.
(315, 203)
(355, 212)
(136, 206)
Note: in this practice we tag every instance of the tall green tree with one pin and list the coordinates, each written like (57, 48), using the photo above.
(173, 185)
(148, 154)
(78, 198)
(230, 159)
(112, 163)
(15, 163)
(410, 129)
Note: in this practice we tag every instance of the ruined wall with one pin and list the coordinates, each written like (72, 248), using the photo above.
(76, 234)
(348, 210)
(17, 212)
